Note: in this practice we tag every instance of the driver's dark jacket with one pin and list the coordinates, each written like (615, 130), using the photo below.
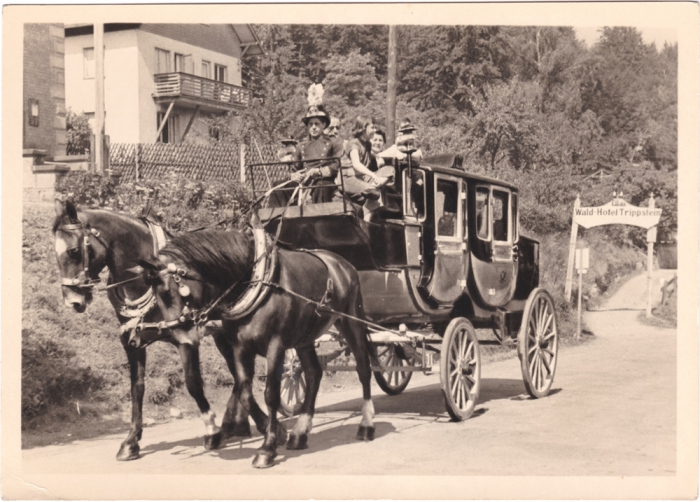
(320, 148)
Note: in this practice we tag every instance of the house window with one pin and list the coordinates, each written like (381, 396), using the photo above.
(89, 62)
(179, 62)
(162, 61)
(34, 112)
(206, 69)
(220, 73)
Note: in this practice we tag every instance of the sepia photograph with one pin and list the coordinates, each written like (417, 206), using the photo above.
(368, 251)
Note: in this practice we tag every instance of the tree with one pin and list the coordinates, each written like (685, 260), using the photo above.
(504, 127)
(448, 68)
(350, 78)
(78, 133)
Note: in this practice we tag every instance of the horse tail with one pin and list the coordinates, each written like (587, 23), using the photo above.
(371, 348)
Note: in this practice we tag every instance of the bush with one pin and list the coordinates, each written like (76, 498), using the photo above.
(78, 133)
(181, 203)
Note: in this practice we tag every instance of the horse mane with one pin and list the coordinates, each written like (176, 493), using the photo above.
(119, 218)
(220, 257)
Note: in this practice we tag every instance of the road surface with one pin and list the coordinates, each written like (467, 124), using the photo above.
(612, 412)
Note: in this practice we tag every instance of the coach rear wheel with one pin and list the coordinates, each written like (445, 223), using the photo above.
(293, 384)
(460, 369)
(538, 343)
(393, 382)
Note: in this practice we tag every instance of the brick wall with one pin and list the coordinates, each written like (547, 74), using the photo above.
(44, 80)
(215, 37)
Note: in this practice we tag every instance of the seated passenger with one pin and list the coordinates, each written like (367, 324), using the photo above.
(405, 141)
(286, 153)
(355, 167)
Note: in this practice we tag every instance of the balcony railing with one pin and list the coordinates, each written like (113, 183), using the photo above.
(175, 85)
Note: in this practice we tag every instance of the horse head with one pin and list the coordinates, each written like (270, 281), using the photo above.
(80, 255)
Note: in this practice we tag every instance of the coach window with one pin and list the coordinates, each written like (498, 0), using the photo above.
(514, 213)
(482, 213)
(499, 204)
(447, 208)
(414, 196)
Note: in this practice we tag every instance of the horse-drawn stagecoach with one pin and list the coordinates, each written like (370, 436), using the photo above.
(443, 256)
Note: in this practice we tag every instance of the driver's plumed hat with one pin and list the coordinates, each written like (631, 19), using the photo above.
(316, 111)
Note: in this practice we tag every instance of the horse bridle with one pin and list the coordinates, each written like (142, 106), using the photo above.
(83, 279)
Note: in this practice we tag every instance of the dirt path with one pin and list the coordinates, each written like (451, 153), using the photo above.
(612, 413)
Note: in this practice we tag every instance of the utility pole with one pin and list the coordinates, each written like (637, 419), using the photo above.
(391, 87)
(99, 98)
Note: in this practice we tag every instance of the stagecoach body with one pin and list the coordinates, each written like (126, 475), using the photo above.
(448, 245)
(444, 255)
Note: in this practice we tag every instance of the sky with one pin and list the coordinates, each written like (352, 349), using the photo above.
(658, 35)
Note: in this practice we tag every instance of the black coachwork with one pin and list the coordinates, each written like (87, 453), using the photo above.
(427, 261)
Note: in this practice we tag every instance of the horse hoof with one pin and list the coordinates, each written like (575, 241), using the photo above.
(236, 430)
(297, 442)
(212, 442)
(365, 433)
(128, 452)
(281, 433)
(264, 459)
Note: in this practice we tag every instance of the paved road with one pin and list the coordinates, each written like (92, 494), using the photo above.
(612, 412)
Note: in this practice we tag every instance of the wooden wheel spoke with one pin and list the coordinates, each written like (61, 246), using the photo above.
(546, 366)
(548, 351)
(547, 323)
(533, 362)
(551, 335)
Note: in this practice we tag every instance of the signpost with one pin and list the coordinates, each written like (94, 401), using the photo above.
(619, 212)
(582, 263)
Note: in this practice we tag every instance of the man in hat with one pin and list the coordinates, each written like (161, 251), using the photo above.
(405, 141)
(286, 153)
(313, 156)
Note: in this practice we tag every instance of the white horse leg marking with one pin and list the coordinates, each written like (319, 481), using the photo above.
(303, 425)
(210, 426)
(367, 413)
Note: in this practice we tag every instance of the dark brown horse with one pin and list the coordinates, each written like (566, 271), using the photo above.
(86, 242)
(305, 295)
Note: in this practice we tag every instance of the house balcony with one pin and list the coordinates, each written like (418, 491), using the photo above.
(191, 91)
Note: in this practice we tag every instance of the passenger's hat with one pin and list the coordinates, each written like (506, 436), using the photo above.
(406, 127)
(289, 141)
(316, 111)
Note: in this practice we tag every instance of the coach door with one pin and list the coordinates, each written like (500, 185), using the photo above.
(449, 274)
(494, 257)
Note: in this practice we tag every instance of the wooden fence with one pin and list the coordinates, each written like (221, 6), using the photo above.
(201, 162)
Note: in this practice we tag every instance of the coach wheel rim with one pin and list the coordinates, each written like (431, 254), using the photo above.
(292, 385)
(460, 369)
(392, 382)
(538, 343)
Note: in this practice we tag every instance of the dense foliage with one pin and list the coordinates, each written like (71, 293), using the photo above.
(182, 204)
(78, 133)
(530, 104)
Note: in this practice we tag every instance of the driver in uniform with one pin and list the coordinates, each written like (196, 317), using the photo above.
(322, 173)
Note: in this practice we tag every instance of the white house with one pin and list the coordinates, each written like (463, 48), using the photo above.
(158, 77)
